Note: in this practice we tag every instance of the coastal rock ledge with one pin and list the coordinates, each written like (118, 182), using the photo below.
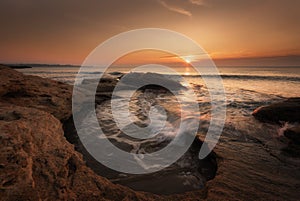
(36, 160)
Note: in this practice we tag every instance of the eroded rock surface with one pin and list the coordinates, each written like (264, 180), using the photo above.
(35, 92)
(37, 163)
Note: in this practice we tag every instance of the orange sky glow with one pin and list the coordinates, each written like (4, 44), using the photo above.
(233, 32)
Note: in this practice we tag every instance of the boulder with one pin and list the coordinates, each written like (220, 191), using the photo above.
(151, 79)
(288, 111)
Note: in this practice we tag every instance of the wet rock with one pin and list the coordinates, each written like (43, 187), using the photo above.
(285, 111)
(187, 174)
(293, 147)
(293, 134)
(150, 79)
(288, 110)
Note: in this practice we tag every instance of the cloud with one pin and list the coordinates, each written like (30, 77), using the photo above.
(197, 2)
(175, 9)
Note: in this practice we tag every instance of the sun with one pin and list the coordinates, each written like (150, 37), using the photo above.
(187, 59)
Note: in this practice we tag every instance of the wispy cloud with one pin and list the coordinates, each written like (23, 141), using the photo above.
(175, 9)
(197, 2)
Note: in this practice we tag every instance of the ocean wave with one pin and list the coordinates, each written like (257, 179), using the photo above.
(249, 77)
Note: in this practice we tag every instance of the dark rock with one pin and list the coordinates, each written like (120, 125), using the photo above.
(285, 111)
(151, 79)
(10, 116)
(288, 111)
(116, 73)
(293, 147)
(19, 66)
(293, 134)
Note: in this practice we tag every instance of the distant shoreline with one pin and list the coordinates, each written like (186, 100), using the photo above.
(19, 66)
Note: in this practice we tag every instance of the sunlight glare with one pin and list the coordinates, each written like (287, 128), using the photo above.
(187, 59)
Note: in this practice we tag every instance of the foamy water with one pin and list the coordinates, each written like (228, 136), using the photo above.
(246, 89)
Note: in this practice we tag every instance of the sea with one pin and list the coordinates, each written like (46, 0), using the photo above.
(273, 81)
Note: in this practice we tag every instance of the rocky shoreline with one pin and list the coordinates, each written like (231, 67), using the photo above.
(37, 162)
(287, 111)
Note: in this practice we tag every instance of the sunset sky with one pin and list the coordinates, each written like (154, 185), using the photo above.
(233, 32)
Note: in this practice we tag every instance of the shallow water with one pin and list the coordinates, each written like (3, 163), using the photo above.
(246, 88)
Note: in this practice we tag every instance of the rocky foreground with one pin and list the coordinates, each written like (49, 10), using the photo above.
(38, 163)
